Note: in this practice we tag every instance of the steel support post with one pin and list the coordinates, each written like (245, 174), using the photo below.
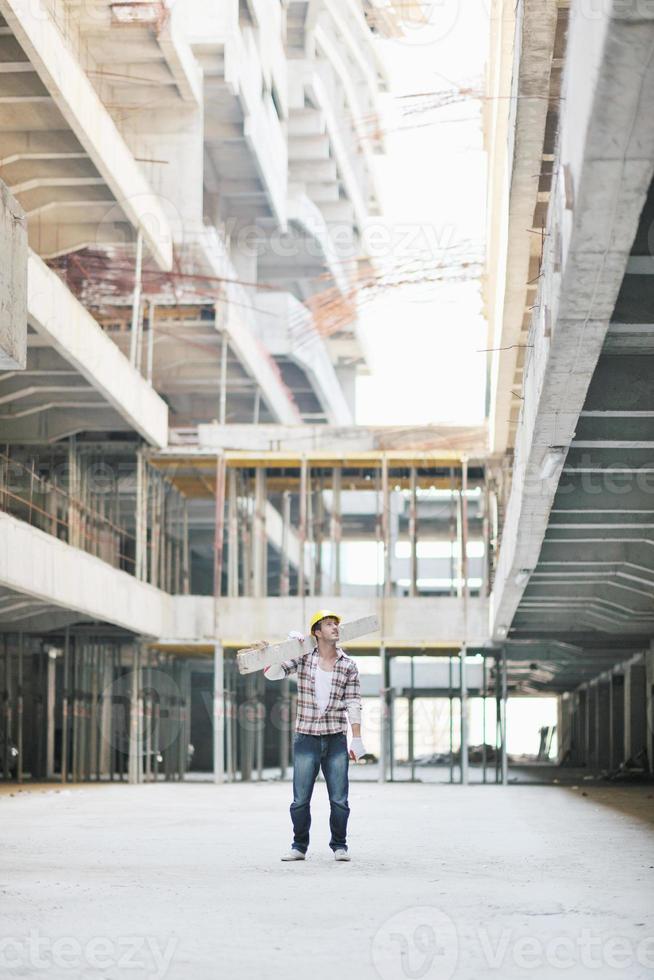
(463, 696)
(484, 760)
(386, 528)
(259, 541)
(218, 713)
(410, 733)
(383, 714)
(464, 595)
(336, 530)
(413, 534)
(135, 756)
(6, 707)
(260, 709)
(284, 575)
(302, 573)
(451, 717)
(505, 755)
(232, 535)
(20, 707)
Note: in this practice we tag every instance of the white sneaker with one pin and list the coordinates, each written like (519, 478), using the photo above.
(342, 855)
(294, 855)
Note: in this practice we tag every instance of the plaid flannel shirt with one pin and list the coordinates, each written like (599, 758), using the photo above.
(345, 690)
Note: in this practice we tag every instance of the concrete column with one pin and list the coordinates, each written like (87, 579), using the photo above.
(564, 717)
(649, 694)
(218, 713)
(603, 724)
(635, 709)
(13, 287)
(616, 725)
(591, 738)
(582, 729)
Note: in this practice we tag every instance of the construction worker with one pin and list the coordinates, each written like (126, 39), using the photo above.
(328, 690)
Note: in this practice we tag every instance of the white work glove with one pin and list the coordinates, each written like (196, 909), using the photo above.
(296, 635)
(357, 747)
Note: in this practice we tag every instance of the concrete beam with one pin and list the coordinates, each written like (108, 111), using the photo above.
(517, 193)
(60, 318)
(432, 442)
(33, 563)
(606, 154)
(33, 26)
(419, 623)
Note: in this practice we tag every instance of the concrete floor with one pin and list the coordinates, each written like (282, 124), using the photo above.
(184, 881)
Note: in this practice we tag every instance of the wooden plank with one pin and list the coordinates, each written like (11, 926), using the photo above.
(252, 659)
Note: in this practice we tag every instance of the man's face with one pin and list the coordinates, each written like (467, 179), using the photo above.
(328, 628)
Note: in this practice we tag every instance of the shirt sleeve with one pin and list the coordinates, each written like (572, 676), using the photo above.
(352, 695)
(291, 666)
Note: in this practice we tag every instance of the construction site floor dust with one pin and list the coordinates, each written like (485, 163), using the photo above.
(185, 881)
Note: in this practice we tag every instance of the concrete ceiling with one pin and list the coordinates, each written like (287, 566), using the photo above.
(592, 588)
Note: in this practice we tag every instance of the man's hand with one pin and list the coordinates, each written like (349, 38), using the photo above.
(357, 749)
(296, 635)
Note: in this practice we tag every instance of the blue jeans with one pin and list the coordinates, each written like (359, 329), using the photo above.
(312, 753)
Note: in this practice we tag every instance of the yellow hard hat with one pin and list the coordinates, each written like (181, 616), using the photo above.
(322, 614)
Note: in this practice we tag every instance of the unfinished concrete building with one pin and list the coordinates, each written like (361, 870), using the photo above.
(185, 190)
